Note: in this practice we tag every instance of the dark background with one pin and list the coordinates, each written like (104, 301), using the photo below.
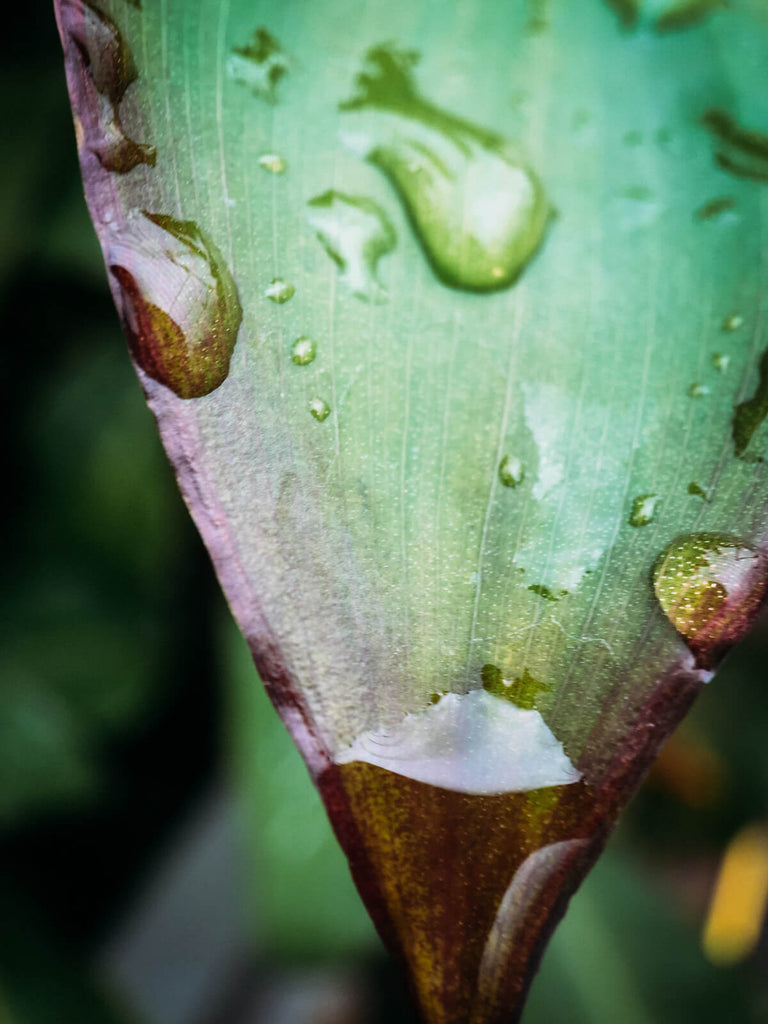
(163, 857)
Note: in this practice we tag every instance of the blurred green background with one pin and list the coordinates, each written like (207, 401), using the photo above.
(163, 856)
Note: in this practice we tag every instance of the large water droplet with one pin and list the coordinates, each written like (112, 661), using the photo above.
(356, 233)
(260, 65)
(643, 509)
(320, 409)
(304, 351)
(93, 40)
(742, 151)
(710, 586)
(478, 209)
(511, 471)
(279, 291)
(179, 304)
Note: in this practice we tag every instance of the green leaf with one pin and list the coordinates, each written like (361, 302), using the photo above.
(452, 320)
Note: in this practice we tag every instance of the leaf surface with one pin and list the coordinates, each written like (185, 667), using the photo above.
(452, 321)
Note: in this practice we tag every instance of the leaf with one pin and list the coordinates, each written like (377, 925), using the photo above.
(452, 321)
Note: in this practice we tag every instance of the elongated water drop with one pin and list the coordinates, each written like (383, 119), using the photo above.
(717, 208)
(259, 65)
(710, 586)
(643, 509)
(511, 471)
(94, 41)
(304, 351)
(742, 151)
(663, 15)
(178, 302)
(320, 409)
(280, 291)
(355, 232)
(697, 390)
(479, 211)
(732, 323)
(720, 361)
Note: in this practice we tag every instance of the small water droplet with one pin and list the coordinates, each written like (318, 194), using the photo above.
(720, 361)
(697, 390)
(697, 491)
(643, 509)
(715, 209)
(320, 409)
(260, 65)
(710, 586)
(511, 471)
(304, 351)
(732, 323)
(541, 590)
(742, 151)
(93, 40)
(178, 301)
(479, 211)
(355, 232)
(280, 291)
(273, 163)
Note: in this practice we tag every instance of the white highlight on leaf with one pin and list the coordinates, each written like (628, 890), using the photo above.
(469, 743)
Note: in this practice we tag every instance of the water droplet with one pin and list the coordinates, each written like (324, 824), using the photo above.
(643, 509)
(663, 15)
(543, 591)
(710, 586)
(716, 208)
(511, 471)
(179, 304)
(479, 211)
(93, 40)
(320, 409)
(355, 232)
(304, 351)
(697, 491)
(469, 743)
(748, 415)
(720, 361)
(732, 323)
(273, 163)
(260, 65)
(697, 390)
(280, 291)
(742, 151)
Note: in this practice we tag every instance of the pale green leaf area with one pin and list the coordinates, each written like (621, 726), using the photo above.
(385, 556)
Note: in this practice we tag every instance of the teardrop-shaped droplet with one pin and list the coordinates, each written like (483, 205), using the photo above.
(643, 509)
(480, 212)
(710, 586)
(511, 471)
(355, 232)
(320, 409)
(304, 351)
(697, 491)
(178, 301)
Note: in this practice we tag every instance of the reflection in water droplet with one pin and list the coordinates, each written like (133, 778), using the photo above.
(748, 415)
(716, 208)
(643, 509)
(479, 211)
(511, 472)
(697, 491)
(273, 163)
(320, 409)
(720, 361)
(710, 586)
(179, 304)
(732, 323)
(742, 151)
(304, 351)
(260, 65)
(94, 41)
(663, 15)
(469, 743)
(697, 390)
(355, 232)
(280, 291)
